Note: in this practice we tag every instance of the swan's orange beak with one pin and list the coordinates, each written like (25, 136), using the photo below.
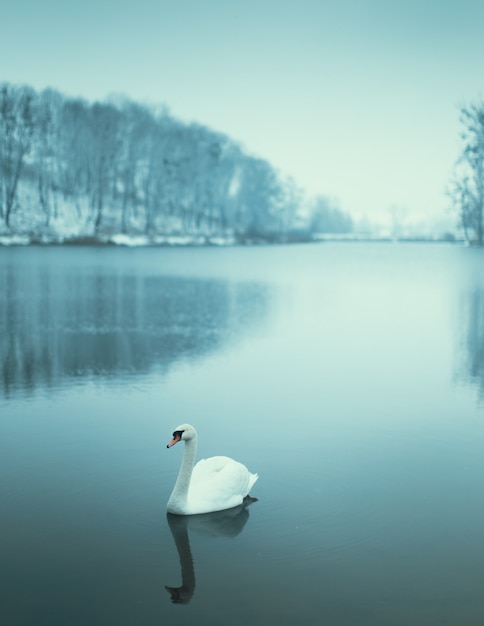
(175, 439)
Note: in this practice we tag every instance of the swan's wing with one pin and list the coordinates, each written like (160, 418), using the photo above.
(219, 483)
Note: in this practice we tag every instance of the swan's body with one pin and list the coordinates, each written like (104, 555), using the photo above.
(213, 484)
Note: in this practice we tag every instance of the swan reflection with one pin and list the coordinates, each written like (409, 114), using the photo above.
(228, 523)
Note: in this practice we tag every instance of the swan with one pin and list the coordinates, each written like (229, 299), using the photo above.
(213, 484)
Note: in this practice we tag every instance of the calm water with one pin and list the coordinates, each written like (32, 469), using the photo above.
(349, 376)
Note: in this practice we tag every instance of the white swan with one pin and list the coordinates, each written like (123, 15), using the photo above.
(213, 484)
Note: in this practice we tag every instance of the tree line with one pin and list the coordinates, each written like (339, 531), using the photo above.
(123, 167)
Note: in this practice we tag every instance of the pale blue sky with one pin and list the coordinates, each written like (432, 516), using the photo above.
(355, 99)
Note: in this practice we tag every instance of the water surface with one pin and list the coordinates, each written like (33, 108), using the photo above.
(349, 376)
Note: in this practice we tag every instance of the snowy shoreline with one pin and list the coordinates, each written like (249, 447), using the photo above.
(137, 241)
(168, 241)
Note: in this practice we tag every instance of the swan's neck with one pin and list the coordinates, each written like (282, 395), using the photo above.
(178, 527)
(178, 498)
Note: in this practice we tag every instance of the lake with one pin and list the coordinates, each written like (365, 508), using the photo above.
(349, 376)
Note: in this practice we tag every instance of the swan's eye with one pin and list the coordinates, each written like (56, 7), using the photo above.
(178, 433)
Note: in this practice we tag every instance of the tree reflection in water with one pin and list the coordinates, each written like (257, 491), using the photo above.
(79, 323)
(472, 369)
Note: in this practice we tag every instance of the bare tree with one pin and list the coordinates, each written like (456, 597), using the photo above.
(467, 187)
(45, 146)
(327, 217)
(16, 131)
(138, 125)
(74, 167)
(105, 141)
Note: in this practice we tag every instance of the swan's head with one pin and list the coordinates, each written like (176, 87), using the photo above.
(180, 595)
(185, 432)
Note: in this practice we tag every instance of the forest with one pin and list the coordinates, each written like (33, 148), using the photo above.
(76, 171)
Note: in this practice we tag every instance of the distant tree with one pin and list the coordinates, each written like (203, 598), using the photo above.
(74, 169)
(105, 143)
(16, 132)
(327, 217)
(138, 126)
(289, 200)
(159, 168)
(45, 146)
(467, 187)
(257, 199)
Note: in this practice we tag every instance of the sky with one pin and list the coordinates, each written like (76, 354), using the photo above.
(357, 100)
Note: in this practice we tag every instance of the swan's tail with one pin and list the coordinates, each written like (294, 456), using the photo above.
(252, 480)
